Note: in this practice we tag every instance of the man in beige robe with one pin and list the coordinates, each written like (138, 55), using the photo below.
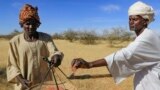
(26, 66)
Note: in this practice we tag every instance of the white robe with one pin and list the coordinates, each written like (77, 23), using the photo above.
(142, 58)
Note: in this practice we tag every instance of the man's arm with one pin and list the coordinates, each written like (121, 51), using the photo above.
(81, 63)
(98, 63)
(54, 54)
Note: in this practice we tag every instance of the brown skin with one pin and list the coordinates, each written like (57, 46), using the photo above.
(30, 30)
(136, 23)
(81, 63)
(56, 60)
(25, 83)
(31, 35)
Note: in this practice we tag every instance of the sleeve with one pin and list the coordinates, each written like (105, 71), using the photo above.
(12, 66)
(53, 50)
(131, 59)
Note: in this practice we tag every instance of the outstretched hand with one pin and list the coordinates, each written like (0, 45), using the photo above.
(79, 63)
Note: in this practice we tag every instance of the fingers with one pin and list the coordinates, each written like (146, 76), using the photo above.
(73, 62)
(26, 84)
(24, 87)
(76, 62)
(79, 63)
(56, 60)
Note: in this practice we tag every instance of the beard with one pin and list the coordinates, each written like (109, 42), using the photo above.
(30, 32)
(133, 28)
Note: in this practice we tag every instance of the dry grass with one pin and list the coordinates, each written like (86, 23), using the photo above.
(89, 79)
(3, 60)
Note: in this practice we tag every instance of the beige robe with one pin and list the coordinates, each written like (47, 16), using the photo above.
(26, 58)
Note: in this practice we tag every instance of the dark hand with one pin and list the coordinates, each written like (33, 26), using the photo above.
(79, 63)
(25, 83)
(56, 60)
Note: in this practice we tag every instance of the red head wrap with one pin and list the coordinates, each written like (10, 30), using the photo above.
(28, 12)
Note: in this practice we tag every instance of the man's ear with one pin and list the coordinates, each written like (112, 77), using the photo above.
(145, 22)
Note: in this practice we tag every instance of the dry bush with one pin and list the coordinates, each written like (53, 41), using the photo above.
(57, 36)
(11, 35)
(84, 36)
(88, 37)
(117, 35)
(70, 35)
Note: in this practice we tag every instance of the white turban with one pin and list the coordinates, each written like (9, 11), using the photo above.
(142, 9)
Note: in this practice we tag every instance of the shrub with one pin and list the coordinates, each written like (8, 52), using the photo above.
(70, 35)
(88, 37)
(119, 34)
(57, 36)
(12, 34)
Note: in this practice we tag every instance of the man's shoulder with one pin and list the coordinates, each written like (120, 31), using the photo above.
(45, 36)
(155, 32)
(16, 38)
(152, 33)
(148, 35)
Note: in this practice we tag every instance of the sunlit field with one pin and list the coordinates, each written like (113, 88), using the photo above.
(87, 79)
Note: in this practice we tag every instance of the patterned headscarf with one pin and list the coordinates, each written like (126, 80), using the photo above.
(28, 12)
(142, 9)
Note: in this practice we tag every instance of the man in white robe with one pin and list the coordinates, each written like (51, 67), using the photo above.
(26, 66)
(141, 57)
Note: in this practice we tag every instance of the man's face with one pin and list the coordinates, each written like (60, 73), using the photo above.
(30, 26)
(136, 22)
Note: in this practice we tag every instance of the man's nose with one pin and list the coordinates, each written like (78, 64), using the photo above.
(30, 26)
